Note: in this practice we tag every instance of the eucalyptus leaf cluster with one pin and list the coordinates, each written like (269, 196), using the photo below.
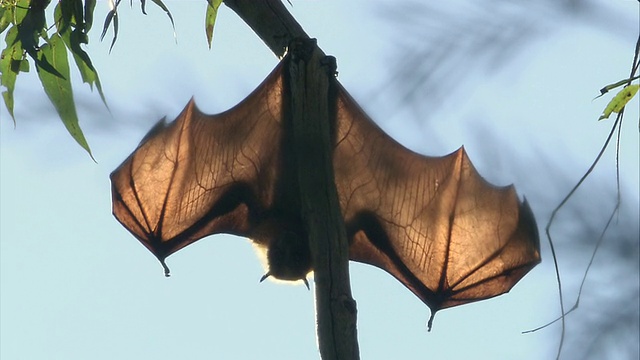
(36, 36)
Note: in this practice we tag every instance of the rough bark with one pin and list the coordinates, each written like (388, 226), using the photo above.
(271, 21)
(312, 107)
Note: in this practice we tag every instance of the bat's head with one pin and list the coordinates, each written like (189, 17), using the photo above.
(288, 257)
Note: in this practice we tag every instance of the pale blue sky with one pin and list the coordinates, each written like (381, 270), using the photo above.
(77, 285)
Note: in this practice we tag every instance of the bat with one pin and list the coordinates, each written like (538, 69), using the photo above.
(432, 222)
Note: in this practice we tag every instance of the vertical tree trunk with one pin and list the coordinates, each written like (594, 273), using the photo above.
(310, 84)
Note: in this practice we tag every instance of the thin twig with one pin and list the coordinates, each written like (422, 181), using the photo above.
(617, 125)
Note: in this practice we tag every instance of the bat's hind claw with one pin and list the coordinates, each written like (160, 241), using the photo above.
(265, 276)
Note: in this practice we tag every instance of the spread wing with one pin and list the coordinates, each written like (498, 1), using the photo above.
(432, 222)
(203, 174)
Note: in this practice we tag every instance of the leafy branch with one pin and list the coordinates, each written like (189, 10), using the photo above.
(30, 39)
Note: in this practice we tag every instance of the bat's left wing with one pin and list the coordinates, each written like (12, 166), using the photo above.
(432, 222)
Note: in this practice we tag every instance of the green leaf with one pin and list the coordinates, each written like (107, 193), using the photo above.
(111, 16)
(619, 101)
(31, 28)
(24, 65)
(10, 63)
(89, 6)
(8, 101)
(210, 18)
(20, 11)
(78, 13)
(73, 39)
(166, 10)
(57, 86)
(63, 15)
(6, 15)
